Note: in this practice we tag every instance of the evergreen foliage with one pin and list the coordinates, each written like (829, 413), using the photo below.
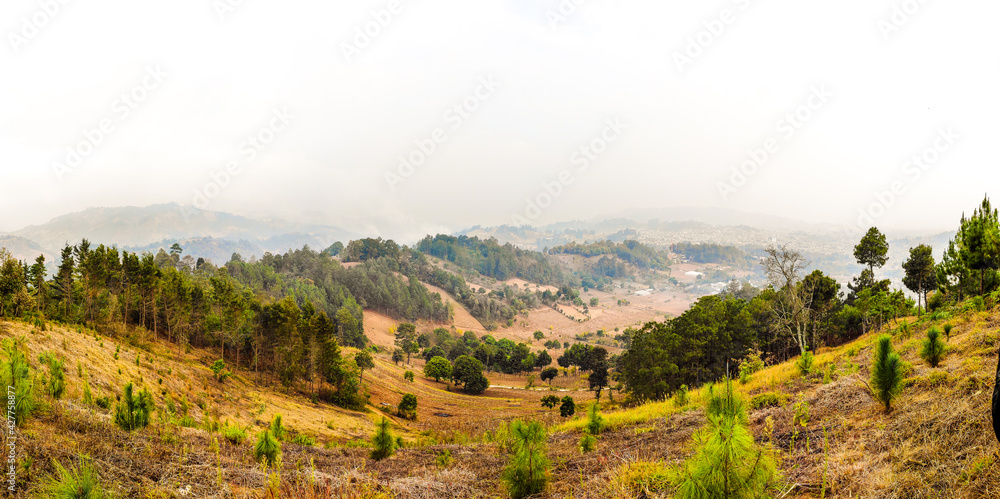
(887, 376)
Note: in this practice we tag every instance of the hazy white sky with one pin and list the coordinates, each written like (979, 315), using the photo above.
(179, 86)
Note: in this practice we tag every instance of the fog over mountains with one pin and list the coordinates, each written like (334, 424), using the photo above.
(217, 235)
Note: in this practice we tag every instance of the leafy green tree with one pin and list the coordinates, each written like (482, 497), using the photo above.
(364, 360)
(16, 373)
(543, 359)
(527, 473)
(132, 412)
(469, 372)
(920, 273)
(397, 356)
(871, 251)
(408, 406)
(550, 401)
(598, 378)
(408, 376)
(267, 450)
(438, 368)
(933, 348)
(887, 372)
(568, 407)
(539, 335)
(383, 442)
(548, 374)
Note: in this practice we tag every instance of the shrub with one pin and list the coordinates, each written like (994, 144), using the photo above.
(443, 459)
(437, 368)
(887, 376)
(103, 402)
(303, 439)
(587, 443)
(568, 407)
(56, 385)
(947, 331)
(768, 399)
(408, 376)
(81, 481)
(933, 348)
(548, 374)
(132, 412)
(550, 401)
(277, 428)
(17, 374)
(727, 462)
(595, 423)
(527, 473)
(727, 404)
(88, 397)
(234, 434)
(681, 396)
(408, 407)
(383, 443)
(805, 362)
(267, 450)
(218, 368)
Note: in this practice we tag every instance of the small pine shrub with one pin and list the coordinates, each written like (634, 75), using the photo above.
(88, 397)
(587, 443)
(444, 459)
(828, 373)
(133, 410)
(595, 423)
(727, 461)
(681, 396)
(947, 331)
(103, 402)
(234, 434)
(81, 481)
(56, 385)
(303, 439)
(267, 450)
(933, 348)
(277, 429)
(768, 399)
(16, 372)
(383, 443)
(527, 473)
(728, 403)
(408, 407)
(805, 362)
(887, 375)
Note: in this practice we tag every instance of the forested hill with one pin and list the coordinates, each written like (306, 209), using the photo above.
(630, 251)
(491, 259)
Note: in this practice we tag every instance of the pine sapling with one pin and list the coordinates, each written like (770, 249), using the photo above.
(933, 348)
(887, 373)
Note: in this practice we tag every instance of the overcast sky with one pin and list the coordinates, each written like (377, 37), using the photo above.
(668, 97)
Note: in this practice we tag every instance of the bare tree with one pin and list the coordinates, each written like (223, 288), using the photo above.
(793, 301)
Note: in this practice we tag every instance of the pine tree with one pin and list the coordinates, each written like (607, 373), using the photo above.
(933, 348)
(16, 373)
(528, 471)
(133, 411)
(383, 443)
(887, 376)
(727, 462)
(267, 449)
(595, 423)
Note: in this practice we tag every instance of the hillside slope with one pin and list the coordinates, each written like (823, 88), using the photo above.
(937, 441)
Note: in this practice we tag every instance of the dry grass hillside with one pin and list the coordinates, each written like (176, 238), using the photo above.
(936, 442)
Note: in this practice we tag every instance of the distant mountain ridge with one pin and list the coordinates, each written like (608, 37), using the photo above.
(209, 234)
